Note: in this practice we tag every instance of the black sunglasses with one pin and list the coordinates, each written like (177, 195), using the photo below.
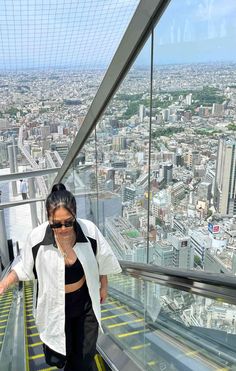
(67, 224)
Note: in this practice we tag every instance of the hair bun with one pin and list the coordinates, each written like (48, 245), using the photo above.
(58, 187)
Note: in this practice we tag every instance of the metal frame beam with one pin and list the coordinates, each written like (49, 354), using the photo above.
(7, 205)
(145, 17)
(28, 174)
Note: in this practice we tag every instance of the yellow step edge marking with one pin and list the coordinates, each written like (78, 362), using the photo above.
(48, 369)
(131, 333)
(36, 356)
(112, 302)
(3, 326)
(151, 363)
(30, 320)
(35, 344)
(141, 346)
(6, 298)
(4, 315)
(7, 302)
(30, 327)
(6, 305)
(99, 363)
(33, 335)
(2, 333)
(117, 315)
(125, 323)
(113, 308)
(3, 320)
(192, 353)
(5, 311)
(29, 315)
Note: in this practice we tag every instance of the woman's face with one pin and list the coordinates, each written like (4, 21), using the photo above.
(63, 221)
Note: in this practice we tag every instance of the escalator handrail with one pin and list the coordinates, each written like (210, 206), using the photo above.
(201, 283)
(5, 271)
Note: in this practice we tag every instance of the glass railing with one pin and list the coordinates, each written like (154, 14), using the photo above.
(159, 321)
(154, 325)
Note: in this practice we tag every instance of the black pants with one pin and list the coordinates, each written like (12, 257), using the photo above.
(81, 328)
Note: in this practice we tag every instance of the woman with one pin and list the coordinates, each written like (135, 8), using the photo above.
(69, 260)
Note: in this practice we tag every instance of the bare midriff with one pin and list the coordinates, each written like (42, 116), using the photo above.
(74, 286)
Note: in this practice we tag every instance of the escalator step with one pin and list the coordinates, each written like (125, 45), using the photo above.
(99, 363)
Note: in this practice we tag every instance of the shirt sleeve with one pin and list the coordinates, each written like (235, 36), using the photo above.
(107, 261)
(23, 264)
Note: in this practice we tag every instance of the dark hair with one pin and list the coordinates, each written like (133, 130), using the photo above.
(60, 197)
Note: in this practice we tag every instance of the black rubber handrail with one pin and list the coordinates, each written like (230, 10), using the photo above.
(217, 286)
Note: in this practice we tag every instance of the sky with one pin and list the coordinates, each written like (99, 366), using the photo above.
(84, 34)
(193, 31)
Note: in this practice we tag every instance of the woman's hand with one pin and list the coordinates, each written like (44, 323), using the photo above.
(103, 294)
(3, 287)
(7, 281)
(103, 289)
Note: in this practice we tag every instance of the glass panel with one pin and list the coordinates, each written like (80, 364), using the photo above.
(193, 167)
(167, 329)
(122, 137)
(81, 180)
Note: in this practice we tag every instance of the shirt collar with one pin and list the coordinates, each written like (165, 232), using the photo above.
(49, 238)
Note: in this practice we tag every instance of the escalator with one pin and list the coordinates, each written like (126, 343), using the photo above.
(136, 337)
(34, 351)
(5, 306)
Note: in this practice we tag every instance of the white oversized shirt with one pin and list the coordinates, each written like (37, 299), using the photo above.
(42, 261)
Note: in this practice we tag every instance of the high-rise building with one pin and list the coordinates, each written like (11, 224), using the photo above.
(128, 193)
(217, 109)
(142, 112)
(108, 205)
(225, 185)
(61, 147)
(189, 99)
(204, 191)
(166, 171)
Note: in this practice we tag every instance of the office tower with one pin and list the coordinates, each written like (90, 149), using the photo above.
(204, 191)
(210, 178)
(167, 171)
(61, 147)
(166, 114)
(193, 158)
(128, 193)
(108, 205)
(189, 99)
(142, 112)
(44, 131)
(3, 153)
(217, 109)
(225, 186)
(183, 253)
(118, 143)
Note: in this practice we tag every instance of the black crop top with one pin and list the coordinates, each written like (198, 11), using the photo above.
(74, 272)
